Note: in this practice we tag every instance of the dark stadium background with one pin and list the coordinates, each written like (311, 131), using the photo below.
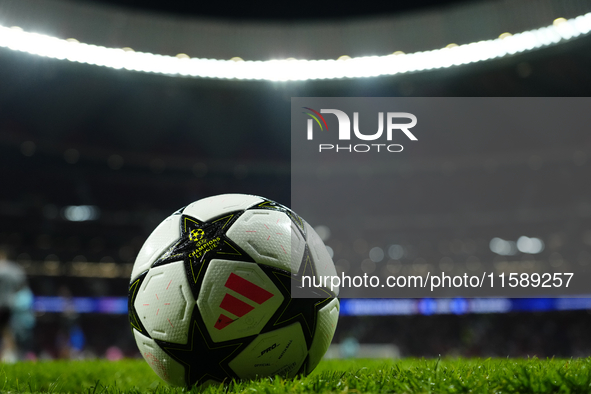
(138, 146)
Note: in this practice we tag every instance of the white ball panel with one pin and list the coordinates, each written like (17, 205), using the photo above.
(217, 301)
(326, 324)
(211, 207)
(279, 352)
(323, 263)
(298, 246)
(165, 303)
(167, 368)
(267, 237)
(161, 238)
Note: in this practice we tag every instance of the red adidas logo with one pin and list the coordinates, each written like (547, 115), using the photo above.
(238, 307)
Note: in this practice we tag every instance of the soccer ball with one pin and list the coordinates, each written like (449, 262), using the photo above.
(210, 297)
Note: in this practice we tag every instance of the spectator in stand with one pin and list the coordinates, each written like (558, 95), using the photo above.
(22, 321)
(12, 279)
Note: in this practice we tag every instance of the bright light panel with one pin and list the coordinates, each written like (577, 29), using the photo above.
(294, 69)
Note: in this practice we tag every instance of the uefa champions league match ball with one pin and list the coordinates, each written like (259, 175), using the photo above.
(210, 296)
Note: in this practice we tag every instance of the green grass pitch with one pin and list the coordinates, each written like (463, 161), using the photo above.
(335, 376)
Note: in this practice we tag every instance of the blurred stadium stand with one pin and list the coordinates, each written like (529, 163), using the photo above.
(94, 158)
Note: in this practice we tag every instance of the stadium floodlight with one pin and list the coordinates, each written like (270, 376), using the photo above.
(530, 245)
(80, 213)
(295, 69)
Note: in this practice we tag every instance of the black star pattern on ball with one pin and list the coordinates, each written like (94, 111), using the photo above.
(303, 309)
(202, 358)
(199, 243)
(134, 319)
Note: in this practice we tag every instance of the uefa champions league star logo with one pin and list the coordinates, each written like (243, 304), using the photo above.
(196, 234)
(344, 130)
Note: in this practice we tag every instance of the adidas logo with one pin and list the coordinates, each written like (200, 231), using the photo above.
(238, 307)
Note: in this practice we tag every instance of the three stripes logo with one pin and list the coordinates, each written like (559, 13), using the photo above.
(236, 306)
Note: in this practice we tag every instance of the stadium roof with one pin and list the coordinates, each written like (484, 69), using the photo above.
(268, 10)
